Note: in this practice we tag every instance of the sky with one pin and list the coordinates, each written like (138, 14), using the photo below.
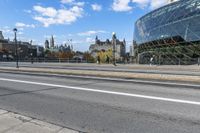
(76, 20)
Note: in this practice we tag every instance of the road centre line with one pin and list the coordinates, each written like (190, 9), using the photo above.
(104, 91)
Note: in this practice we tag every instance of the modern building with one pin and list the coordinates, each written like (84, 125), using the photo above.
(170, 34)
(108, 45)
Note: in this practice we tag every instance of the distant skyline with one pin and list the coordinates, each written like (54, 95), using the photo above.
(79, 20)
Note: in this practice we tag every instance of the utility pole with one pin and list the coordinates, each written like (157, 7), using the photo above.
(16, 47)
(114, 38)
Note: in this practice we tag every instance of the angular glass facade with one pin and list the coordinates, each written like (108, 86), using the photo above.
(179, 19)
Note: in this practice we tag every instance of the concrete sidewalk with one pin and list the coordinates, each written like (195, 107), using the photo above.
(15, 123)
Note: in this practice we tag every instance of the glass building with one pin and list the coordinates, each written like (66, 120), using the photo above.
(175, 24)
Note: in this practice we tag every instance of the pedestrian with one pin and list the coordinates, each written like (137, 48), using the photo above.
(98, 59)
(107, 59)
(151, 61)
(124, 60)
(31, 60)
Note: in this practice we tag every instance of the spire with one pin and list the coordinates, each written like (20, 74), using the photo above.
(124, 40)
(71, 47)
(31, 42)
(96, 40)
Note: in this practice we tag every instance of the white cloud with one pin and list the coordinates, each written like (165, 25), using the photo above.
(91, 32)
(157, 3)
(49, 15)
(96, 7)
(125, 5)
(22, 25)
(72, 2)
(141, 3)
(67, 1)
(49, 11)
(6, 30)
(79, 3)
(90, 40)
(121, 5)
(20, 29)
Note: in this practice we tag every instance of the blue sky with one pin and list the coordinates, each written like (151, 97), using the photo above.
(79, 20)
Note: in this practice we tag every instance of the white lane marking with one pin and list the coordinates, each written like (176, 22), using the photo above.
(104, 91)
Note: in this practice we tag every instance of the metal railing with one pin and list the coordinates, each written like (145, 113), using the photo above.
(170, 61)
(50, 60)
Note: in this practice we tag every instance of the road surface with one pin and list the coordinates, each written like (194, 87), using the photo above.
(98, 106)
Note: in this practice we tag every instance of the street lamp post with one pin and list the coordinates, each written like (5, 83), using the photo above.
(31, 58)
(114, 48)
(16, 47)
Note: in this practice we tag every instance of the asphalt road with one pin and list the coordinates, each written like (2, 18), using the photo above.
(172, 70)
(99, 106)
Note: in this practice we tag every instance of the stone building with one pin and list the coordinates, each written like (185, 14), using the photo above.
(108, 45)
(55, 48)
(1, 36)
(8, 49)
(46, 44)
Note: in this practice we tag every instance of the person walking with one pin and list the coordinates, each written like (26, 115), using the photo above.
(151, 61)
(98, 60)
(107, 59)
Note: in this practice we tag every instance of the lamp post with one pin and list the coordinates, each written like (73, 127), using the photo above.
(114, 47)
(16, 47)
(31, 58)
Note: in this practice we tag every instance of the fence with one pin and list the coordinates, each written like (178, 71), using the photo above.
(143, 60)
(50, 60)
(169, 61)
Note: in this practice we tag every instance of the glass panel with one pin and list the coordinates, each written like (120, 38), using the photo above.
(178, 19)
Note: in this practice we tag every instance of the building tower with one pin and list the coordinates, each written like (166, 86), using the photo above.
(124, 48)
(96, 40)
(1, 36)
(46, 44)
(52, 42)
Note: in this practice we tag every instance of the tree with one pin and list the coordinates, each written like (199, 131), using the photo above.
(104, 54)
(66, 55)
(88, 57)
